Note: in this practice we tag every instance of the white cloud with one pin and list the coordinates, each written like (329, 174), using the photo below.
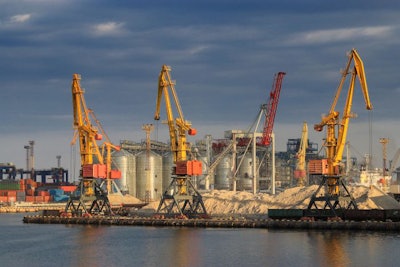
(335, 35)
(108, 28)
(21, 18)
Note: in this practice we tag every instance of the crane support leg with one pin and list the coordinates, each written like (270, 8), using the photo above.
(89, 199)
(336, 198)
(178, 203)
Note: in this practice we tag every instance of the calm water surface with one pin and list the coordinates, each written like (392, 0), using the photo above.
(81, 245)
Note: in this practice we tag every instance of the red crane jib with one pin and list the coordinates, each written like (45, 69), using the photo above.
(271, 108)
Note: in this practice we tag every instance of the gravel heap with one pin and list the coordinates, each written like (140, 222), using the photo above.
(241, 202)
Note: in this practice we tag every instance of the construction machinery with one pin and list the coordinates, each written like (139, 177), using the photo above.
(90, 198)
(300, 171)
(180, 199)
(336, 194)
(271, 107)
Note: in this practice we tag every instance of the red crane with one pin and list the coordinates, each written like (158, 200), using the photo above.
(271, 108)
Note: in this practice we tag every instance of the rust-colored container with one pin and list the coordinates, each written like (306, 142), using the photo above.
(39, 199)
(68, 188)
(12, 193)
(44, 193)
(30, 192)
(30, 199)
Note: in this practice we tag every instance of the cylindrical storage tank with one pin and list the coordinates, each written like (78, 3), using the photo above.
(167, 162)
(245, 183)
(246, 172)
(148, 176)
(125, 162)
(222, 174)
(204, 170)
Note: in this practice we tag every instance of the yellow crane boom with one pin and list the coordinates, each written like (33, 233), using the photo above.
(177, 127)
(336, 135)
(87, 133)
(90, 198)
(335, 145)
(181, 198)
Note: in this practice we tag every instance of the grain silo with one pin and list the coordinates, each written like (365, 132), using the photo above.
(148, 176)
(223, 174)
(125, 162)
(246, 172)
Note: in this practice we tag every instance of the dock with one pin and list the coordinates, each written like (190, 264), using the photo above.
(219, 223)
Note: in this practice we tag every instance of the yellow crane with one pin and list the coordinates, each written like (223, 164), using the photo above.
(90, 198)
(336, 134)
(300, 171)
(180, 198)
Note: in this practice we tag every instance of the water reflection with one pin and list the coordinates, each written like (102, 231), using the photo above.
(332, 245)
(88, 246)
(185, 248)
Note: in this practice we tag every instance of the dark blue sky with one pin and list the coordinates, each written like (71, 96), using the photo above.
(223, 55)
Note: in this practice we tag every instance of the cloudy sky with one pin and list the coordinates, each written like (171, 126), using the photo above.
(223, 54)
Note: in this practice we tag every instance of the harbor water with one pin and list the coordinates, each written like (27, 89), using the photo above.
(89, 245)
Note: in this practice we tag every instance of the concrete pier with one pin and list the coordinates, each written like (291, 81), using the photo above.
(219, 223)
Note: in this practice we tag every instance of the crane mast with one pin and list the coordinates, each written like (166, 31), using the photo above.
(90, 198)
(180, 199)
(336, 134)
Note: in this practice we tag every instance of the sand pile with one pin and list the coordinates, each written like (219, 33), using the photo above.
(228, 202)
(118, 199)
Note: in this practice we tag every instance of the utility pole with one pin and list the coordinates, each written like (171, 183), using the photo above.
(384, 142)
(32, 156)
(58, 161)
(27, 158)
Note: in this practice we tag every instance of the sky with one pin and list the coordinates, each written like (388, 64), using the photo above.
(223, 55)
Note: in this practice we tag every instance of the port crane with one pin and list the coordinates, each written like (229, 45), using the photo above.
(89, 198)
(180, 199)
(300, 171)
(263, 139)
(336, 193)
(271, 107)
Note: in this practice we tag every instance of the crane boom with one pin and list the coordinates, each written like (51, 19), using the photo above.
(272, 106)
(88, 135)
(90, 198)
(177, 127)
(181, 198)
(335, 141)
(335, 146)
